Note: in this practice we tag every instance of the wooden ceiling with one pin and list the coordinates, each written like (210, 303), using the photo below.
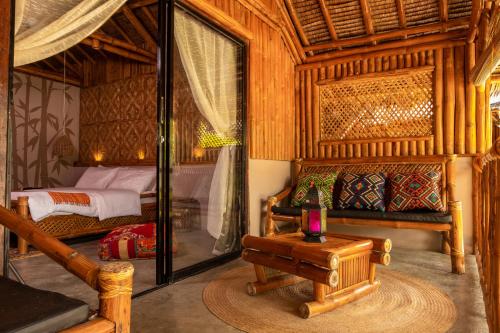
(327, 26)
(130, 33)
(323, 29)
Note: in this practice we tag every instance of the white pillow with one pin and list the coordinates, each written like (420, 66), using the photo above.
(96, 177)
(134, 179)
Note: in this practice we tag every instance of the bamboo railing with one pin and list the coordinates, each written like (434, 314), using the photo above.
(113, 281)
(486, 201)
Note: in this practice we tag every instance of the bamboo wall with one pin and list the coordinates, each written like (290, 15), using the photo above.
(458, 129)
(270, 103)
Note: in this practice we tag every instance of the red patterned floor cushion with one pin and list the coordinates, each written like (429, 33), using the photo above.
(135, 241)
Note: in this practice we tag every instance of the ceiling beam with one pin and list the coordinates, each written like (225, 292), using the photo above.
(120, 30)
(290, 35)
(371, 54)
(434, 27)
(72, 67)
(141, 3)
(367, 17)
(150, 17)
(296, 22)
(328, 19)
(123, 44)
(118, 51)
(400, 6)
(85, 54)
(47, 63)
(475, 16)
(74, 58)
(139, 27)
(32, 70)
(443, 10)
(387, 46)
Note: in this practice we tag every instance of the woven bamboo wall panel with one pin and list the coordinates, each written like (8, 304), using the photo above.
(118, 120)
(394, 107)
(454, 122)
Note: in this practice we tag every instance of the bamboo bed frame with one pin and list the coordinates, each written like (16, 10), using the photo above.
(452, 233)
(71, 226)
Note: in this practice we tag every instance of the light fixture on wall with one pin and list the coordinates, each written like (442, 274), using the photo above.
(98, 156)
(198, 152)
(63, 146)
(141, 154)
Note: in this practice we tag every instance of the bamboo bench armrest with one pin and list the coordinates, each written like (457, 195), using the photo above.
(74, 262)
(280, 196)
(98, 325)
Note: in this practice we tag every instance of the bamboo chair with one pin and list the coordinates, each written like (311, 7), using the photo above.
(113, 281)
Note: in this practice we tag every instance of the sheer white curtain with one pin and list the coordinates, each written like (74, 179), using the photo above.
(210, 61)
(44, 28)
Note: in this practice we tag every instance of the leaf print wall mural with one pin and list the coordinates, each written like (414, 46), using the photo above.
(38, 121)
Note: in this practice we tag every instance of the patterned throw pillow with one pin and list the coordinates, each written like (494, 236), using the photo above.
(362, 191)
(411, 191)
(324, 182)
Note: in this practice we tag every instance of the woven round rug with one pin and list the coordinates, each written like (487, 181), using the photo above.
(402, 304)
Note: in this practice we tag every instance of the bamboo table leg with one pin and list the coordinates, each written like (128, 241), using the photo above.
(311, 309)
(264, 284)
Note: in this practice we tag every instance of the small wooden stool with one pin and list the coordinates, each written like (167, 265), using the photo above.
(342, 269)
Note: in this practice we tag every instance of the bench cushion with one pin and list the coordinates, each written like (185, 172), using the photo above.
(416, 216)
(24, 309)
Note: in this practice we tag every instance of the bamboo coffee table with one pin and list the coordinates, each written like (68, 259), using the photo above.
(342, 269)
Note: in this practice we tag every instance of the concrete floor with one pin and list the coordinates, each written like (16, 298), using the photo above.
(39, 271)
(179, 307)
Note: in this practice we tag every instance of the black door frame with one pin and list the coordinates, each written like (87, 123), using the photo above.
(164, 261)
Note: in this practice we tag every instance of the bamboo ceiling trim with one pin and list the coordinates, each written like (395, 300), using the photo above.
(397, 107)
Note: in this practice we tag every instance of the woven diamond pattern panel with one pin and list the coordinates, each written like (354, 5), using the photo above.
(118, 120)
(395, 107)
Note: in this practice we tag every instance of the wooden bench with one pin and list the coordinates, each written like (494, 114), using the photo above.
(449, 223)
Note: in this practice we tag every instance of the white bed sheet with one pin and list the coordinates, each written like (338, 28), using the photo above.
(104, 204)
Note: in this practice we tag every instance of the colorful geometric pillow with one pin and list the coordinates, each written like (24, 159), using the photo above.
(134, 241)
(420, 190)
(362, 191)
(324, 182)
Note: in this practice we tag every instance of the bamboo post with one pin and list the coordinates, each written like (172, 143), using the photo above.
(459, 100)
(480, 119)
(22, 210)
(449, 100)
(488, 126)
(470, 101)
(457, 247)
(438, 100)
(445, 242)
(115, 294)
(270, 225)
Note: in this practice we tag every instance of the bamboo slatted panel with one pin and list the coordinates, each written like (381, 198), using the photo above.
(271, 74)
(381, 107)
(458, 124)
(486, 201)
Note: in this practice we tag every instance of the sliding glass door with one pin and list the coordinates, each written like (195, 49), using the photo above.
(203, 157)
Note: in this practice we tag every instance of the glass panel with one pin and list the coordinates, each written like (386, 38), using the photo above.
(206, 143)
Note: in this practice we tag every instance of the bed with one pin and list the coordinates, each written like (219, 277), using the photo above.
(111, 197)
